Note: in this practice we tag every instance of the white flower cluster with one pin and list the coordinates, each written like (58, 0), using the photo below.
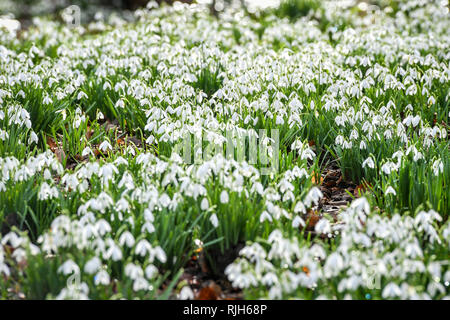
(382, 256)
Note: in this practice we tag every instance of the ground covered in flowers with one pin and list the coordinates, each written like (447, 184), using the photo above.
(98, 202)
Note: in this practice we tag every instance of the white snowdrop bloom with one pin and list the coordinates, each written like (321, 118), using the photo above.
(47, 100)
(103, 227)
(102, 277)
(140, 284)
(69, 267)
(438, 167)
(4, 269)
(334, 264)
(391, 290)
(413, 250)
(114, 253)
(104, 146)
(87, 151)
(435, 288)
(92, 266)
(148, 227)
(387, 168)
(390, 190)
(186, 293)
(265, 216)
(148, 215)
(275, 292)
(151, 271)
(415, 121)
(127, 181)
(434, 268)
(143, 247)
(224, 198)
(122, 205)
(362, 145)
(214, 220)
(297, 222)
(300, 207)
(19, 255)
(82, 95)
(369, 163)
(133, 271)
(313, 197)
(323, 227)
(126, 238)
(74, 292)
(100, 115)
(33, 138)
(160, 254)
(361, 205)
(339, 140)
(120, 104)
(164, 200)
(3, 135)
(47, 192)
(269, 279)
(204, 205)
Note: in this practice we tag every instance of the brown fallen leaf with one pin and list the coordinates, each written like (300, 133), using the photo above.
(210, 292)
(56, 149)
(89, 133)
(203, 263)
(311, 219)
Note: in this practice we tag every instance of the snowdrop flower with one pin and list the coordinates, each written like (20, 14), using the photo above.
(33, 138)
(143, 247)
(87, 151)
(224, 198)
(92, 266)
(186, 293)
(140, 284)
(151, 271)
(214, 220)
(160, 254)
(363, 146)
(102, 277)
(133, 271)
(438, 167)
(265, 216)
(368, 162)
(391, 290)
(120, 104)
(114, 253)
(334, 264)
(435, 288)
(297, 222)
(69, 267)
(47, 192)
(164, 200)
(390, 190)
(148, 227)
(323, 227)
(103, 227)
(104, 146)
(313, 196)
(82, 95)
(127, 239)
(204, 204)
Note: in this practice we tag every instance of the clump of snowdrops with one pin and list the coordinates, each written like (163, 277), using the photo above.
(85, 213)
